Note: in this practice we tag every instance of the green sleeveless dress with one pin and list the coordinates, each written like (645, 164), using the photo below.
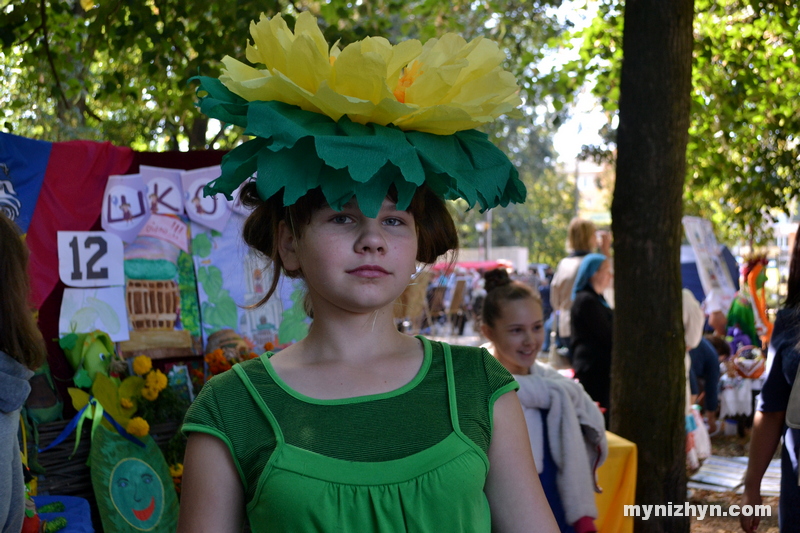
(398, 461)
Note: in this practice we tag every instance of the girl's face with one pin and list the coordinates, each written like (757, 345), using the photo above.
(517, 334)
(351, 262)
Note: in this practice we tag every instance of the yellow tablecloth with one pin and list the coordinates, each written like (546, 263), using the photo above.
(617, 478)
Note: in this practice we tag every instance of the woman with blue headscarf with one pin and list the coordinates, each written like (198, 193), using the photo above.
(592, 321)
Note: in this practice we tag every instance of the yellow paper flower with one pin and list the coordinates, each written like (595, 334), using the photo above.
(142, 365)
(126, 403)
(138, 427)
(149, 394)
(445, 86)
(156, 380)
(176, 470)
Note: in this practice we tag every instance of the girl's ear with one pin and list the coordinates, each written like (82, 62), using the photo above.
(287, 247)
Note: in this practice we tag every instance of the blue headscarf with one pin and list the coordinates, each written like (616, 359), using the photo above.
(589, 266)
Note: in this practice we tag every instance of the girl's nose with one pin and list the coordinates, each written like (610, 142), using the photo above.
(370, 238)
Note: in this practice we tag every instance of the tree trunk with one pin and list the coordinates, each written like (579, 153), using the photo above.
(648, 398)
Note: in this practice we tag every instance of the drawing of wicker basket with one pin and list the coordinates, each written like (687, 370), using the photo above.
(152, 304)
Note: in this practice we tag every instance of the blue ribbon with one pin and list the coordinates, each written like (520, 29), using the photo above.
(79, 417)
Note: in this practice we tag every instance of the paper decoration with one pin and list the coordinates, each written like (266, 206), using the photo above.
(85, 310)
(170, 229)
(180, 382)
(125, 206)
(90, 259)
(231, 276)
(213, 211)
(164, 189)
(714, 274)
(132, 485)
(161, 292)
(236, 204)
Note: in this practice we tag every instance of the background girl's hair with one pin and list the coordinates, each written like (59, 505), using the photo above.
(500, 288)
(580, 235)
(436, 231)
(20, 337)
(793, 283)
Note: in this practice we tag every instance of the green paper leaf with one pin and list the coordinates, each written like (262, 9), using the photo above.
(79, 398)
(67, 342)
(82, 379)
(295, 151)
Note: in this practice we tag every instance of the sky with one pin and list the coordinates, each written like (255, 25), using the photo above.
(586, 114)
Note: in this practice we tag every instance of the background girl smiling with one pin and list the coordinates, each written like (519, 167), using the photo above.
(565, 428)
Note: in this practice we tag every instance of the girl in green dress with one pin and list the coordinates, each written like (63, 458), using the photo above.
(359, 427)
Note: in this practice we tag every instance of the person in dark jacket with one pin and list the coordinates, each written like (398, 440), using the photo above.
(592, 321)
(21, 351)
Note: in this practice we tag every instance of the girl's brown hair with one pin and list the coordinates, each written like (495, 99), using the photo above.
(20, 337)
(500, 288)
(436, 231)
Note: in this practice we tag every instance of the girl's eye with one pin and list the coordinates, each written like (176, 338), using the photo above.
(393, 222)
(340, 219)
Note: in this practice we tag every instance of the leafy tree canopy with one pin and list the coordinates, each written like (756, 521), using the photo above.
(744, 151)
(119, 71)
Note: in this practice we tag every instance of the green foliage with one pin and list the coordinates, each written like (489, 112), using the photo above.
(119, 71)
(540, 224)
(743, 149)
(168, 407)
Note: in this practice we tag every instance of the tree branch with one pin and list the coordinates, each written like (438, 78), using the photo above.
(43, 11)
(33, 34)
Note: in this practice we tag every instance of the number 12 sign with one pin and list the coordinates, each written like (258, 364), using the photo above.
(90, 259)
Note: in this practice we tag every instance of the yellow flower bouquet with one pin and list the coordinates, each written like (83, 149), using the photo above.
(357, 121)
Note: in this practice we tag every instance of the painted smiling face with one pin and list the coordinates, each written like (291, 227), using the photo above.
(137, 493)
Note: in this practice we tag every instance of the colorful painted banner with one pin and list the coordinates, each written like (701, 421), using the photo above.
(230, 277)
(50, 187)
(125, 206)
(164, 189)
(212, 211)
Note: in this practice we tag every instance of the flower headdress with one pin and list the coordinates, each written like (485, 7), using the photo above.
(356, 121)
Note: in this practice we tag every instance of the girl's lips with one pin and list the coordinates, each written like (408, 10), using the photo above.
(369, 271)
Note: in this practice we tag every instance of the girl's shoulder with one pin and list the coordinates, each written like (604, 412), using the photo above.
(475, 369)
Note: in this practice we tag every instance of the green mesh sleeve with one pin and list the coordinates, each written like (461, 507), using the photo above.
(226, 410)
(480, 379)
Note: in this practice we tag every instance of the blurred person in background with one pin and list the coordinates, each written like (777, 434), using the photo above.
(582, 239)
(21, 351)
(592, 329)
(769, 423)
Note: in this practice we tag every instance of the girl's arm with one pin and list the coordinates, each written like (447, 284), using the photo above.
(212, 497)
(516, 498)
(764, 440)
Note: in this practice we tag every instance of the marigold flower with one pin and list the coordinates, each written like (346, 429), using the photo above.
(142, 365)
(445, 86)
(126, 403)
(138, 427)
(217, 362)
(176, 470)
(149, 394)
(156, 380)
(268, 346)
